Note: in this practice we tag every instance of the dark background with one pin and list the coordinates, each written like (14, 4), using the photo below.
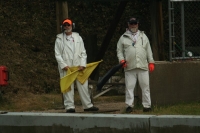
(28, 33)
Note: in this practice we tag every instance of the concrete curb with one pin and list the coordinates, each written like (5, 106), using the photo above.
(26, 122)
(175, 124)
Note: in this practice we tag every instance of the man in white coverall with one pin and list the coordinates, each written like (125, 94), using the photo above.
(70, 51)
(134, 48)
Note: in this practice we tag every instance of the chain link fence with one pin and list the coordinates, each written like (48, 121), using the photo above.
(184, 29)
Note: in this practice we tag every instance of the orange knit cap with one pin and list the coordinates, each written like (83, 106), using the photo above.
(67, 21)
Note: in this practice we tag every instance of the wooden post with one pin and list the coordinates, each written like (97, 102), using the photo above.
(156, 28)
(64, 10)
(61, 13)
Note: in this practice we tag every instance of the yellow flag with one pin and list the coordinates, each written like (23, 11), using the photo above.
(73, 73)
(66, 81)
(84, 75)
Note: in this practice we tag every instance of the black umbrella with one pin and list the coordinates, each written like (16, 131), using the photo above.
(107, 76)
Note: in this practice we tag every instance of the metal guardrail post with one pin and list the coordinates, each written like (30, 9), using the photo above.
(182, 29)
(170, 40)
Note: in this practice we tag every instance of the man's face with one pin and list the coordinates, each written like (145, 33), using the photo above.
(67, 27)
(133, 26)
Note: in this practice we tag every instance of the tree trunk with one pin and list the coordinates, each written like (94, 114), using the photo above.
(111, 30)
(109, 35)
(61, 13)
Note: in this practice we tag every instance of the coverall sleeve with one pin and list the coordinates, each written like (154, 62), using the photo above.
(149, 52)
(83, 53)
(58, 54)
(120, 53)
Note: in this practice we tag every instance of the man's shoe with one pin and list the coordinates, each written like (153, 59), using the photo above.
(92, 109)
(129, 109)
(146, 109)
(70, 111)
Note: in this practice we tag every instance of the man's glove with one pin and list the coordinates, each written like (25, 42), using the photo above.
(151, 67)
(124, 63)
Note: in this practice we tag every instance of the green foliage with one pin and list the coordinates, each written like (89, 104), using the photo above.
(28, 31)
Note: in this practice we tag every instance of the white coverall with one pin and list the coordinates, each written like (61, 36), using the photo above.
(137, 57)
(70, 51)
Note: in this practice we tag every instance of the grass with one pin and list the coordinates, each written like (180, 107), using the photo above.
(30, 102)
(41, 102)
(178, 109)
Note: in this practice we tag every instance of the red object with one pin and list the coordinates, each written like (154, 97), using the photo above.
(3, 76)
(151, 67)
(124, 63)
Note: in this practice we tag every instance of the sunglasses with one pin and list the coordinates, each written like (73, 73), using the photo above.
(66, 24)
(133, 23)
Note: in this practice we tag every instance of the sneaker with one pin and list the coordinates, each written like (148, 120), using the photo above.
(146, 109)
(129, 109)
(92, 109)
(70, 111)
